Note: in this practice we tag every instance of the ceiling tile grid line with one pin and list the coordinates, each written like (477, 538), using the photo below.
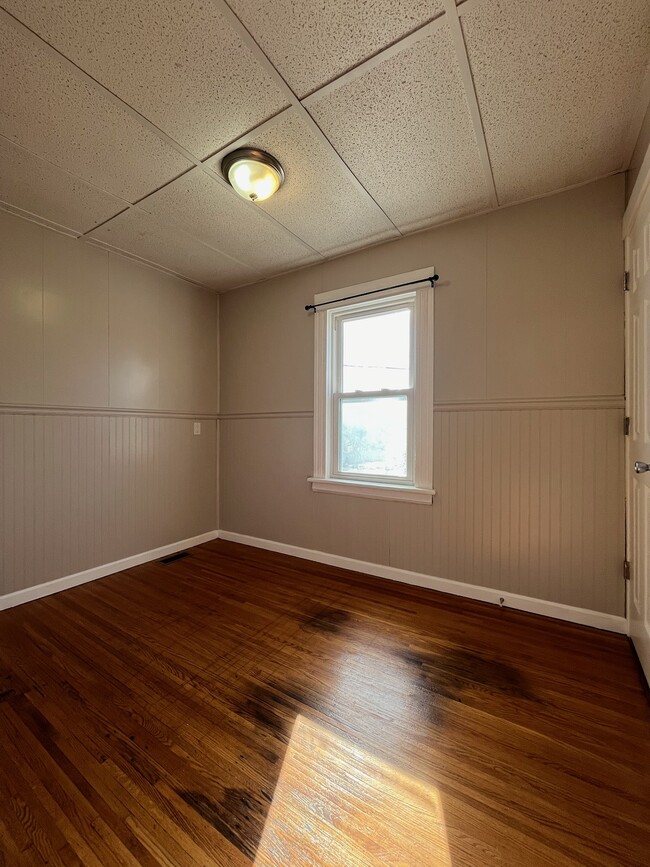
(139, 232)
(462, 59)
(84, 239)
(423, 32)
(20, 147)
(9, 208)
(141, 260)
(169, 224)
(138, 201)
(49, 109)
(85, 77)
(318, 201)
(471, 49)
(210, 215)
(215, 177)
(121, 205)
(406, 130)
(218, 178)
(320, 134)
(557, 83)
(250, 41)
(120, 251)
(400, 44)
(267, 124)
(468, 6)
(241, 140)
(44, 189)
(445, 220)
(176, 62)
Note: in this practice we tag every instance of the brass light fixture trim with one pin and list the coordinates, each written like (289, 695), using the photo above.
(253, 173)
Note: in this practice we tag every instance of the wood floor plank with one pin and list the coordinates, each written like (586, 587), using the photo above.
(241, 707)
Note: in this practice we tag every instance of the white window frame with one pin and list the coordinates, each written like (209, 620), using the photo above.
(418, 487)
(336, 317)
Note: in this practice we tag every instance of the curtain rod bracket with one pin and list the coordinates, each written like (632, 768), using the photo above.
(432, 280)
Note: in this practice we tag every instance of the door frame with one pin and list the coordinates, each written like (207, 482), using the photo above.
(637, 197)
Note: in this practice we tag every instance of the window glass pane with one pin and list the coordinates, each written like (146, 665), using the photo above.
(373, 436)
(376, 352)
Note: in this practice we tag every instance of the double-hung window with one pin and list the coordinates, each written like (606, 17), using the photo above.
(374, 398)
(373, 374)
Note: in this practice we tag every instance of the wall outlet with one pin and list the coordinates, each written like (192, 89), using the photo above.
(197, 428)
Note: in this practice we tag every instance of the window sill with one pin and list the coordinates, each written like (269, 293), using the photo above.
(396, 493)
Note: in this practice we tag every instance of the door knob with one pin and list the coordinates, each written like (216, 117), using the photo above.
(641, 467)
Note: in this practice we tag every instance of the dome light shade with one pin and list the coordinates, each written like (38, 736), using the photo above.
(252, 173)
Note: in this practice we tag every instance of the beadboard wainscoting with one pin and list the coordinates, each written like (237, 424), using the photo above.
(80, 491)
(528, 501)
(528, 505)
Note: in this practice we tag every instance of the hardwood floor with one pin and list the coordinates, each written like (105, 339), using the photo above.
(240, 707)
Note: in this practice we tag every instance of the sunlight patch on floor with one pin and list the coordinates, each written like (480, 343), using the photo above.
(335, 804)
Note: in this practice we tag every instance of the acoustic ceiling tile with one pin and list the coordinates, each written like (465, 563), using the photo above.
(177, 62)
(311, 43)
(137, 232)
(42, 188)
(557, 84)
(48, 109)
(215, 215)
(319, 201)
(405, 130)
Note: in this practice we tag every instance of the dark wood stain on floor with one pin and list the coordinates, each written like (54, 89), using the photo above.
(258, 708)
(238, 816)
(456, 671)
(327, 620)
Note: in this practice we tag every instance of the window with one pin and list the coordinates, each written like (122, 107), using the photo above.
(374, 399)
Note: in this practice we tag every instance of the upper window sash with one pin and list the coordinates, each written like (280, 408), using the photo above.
(384, 392)
(380, 307)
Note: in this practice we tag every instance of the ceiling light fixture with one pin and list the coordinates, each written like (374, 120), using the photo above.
(252, 173)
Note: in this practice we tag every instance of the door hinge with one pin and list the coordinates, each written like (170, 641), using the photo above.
(626, 425)
(626, 281)
(626, 570)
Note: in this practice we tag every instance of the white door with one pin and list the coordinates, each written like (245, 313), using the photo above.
(637, 250)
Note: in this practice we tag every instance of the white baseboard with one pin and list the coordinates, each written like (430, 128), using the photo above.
(50, 587)
(583, 616)
(570, 613)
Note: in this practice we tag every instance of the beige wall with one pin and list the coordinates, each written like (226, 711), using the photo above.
(528, 406)
(104, 366)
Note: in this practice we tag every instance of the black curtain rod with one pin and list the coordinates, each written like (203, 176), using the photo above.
(432, 280)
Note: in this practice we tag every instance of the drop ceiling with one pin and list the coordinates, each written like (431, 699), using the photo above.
(388, 116)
